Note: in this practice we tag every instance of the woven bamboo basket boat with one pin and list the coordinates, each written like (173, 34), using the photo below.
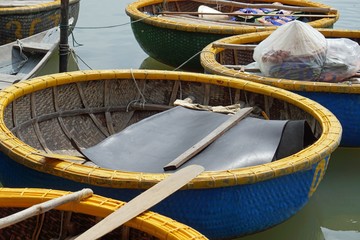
(178, 39)
(340, 98)
(41, 116)
(72, 218)
(22, 20)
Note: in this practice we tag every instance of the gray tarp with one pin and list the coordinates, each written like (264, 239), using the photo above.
(150, 144)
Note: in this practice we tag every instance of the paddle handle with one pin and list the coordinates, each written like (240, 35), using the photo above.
(44, 207)
(142, 202)
(206, 141)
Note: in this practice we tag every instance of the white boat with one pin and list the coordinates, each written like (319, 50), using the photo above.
(33, 56)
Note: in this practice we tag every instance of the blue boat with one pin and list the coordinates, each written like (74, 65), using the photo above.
(52, 126)
(341, 98)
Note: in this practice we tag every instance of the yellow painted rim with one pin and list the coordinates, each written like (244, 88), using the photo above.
(303, 160)
(152, 223)
(132, 10)
(34, 8)
(210, 64)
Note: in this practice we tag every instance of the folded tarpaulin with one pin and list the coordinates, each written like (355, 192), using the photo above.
(152, 143)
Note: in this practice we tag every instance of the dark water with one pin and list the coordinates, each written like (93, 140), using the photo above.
(107, 42)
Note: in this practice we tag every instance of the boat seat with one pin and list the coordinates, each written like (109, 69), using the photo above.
(149, 145)
(7, 80)
(34, 47)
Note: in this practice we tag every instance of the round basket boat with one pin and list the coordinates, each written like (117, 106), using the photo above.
(341, 98)
(75, 216)
(48, 121)
(177, 38)
(19, 20)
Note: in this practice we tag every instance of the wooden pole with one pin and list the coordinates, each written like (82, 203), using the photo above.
(273, 6)
(251, 14)
(207, 140)
(64, 28)
(143, 202)
(44, 207)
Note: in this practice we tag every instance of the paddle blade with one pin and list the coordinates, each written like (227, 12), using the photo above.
(143, 202)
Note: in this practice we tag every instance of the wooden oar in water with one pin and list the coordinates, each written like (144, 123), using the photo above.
(207, 140)
(142, 202)
(44, 207)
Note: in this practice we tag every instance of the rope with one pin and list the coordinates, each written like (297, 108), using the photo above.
(138, 88)
(25, 58)
(114, 26)
(175, 69)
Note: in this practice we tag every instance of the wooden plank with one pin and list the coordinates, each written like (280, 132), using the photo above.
(7, 78)
(142, 202)
(234, 46)
(267, 5)
(206, 141)
(243, 68)
(66, 158)
(250, 14)
(196, 20)
(34, 47)
(44, 207)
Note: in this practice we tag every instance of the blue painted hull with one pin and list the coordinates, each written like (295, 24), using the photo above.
(217, 213)
(346, 107)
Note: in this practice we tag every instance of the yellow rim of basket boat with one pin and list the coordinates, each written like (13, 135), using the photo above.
(133, 11)
(33, 8)
(150, 222)
(211, 65)
(303, 160)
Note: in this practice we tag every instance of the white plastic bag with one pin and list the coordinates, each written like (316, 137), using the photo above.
(342, 60)
(293, 51)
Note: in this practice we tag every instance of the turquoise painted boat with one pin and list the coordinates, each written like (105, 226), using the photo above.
(341, 98)
(67, 214)
(22, 19)
(50, 124)
(177, 39)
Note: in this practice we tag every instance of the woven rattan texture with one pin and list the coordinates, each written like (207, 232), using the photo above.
(53, 224)
(26, 23)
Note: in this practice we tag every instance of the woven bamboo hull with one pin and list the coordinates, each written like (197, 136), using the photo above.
(89, 104)
(340, 98)
(175, 42)
(22, 22)
(74, 218)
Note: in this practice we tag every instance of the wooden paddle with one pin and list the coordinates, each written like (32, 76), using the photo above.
(207, 140)
(142, 202)
(44, 207)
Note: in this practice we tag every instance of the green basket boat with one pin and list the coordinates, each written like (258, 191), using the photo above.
(341, 98)
(48, 122)
(175, 39)
(21, 19)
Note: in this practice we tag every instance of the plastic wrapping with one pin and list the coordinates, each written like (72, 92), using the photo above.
(294, 51)
(342, 60)
(298, 51)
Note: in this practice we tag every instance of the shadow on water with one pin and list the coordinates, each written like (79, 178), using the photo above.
(334, 207)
